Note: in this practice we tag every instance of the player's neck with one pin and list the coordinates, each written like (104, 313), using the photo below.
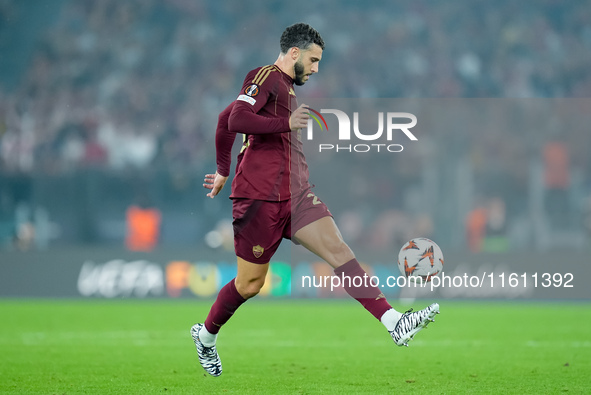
(285, 65)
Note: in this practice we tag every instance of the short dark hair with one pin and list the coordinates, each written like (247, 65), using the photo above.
(300, 35)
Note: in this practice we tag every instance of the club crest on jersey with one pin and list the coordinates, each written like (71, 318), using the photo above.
(291, 92)
(257, 251)
(252, 90)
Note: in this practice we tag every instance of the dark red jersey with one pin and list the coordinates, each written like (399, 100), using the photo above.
(271, 165)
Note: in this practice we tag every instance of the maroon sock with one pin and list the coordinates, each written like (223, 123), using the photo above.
(225, 305)
(359, 287)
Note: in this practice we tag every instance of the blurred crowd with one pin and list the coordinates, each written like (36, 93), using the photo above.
(138, 84)
(133, 83)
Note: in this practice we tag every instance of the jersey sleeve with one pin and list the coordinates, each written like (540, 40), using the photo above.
(224, 140)
(258, 88)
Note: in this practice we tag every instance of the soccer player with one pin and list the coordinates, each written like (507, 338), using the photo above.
(272, 197)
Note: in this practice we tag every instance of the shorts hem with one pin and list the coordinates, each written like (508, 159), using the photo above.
(299, 226)
(250, 260)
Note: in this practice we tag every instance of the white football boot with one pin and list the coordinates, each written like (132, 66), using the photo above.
(208, 356)
(410, 323)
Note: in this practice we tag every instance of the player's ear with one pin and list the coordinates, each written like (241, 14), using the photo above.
(295, 53)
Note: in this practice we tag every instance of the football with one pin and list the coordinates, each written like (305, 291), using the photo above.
(420, 257)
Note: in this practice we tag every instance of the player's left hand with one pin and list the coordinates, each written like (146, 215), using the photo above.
(215, 182)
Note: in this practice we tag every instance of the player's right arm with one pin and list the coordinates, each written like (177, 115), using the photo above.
(258, 88)
(299, 118)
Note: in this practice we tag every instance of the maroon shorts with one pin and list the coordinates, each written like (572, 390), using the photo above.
(260, 225)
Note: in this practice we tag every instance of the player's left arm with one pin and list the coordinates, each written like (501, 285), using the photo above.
(215, 182)
(224, 140)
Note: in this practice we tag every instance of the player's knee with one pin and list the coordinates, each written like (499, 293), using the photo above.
(340, 250)
(249, 289)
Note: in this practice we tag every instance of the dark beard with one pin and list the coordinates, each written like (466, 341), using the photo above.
(298, 69)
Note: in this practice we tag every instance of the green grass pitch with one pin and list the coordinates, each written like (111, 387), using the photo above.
(301, 347)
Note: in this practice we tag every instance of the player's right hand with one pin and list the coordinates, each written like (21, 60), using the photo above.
(299, 118)
(215, 182)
